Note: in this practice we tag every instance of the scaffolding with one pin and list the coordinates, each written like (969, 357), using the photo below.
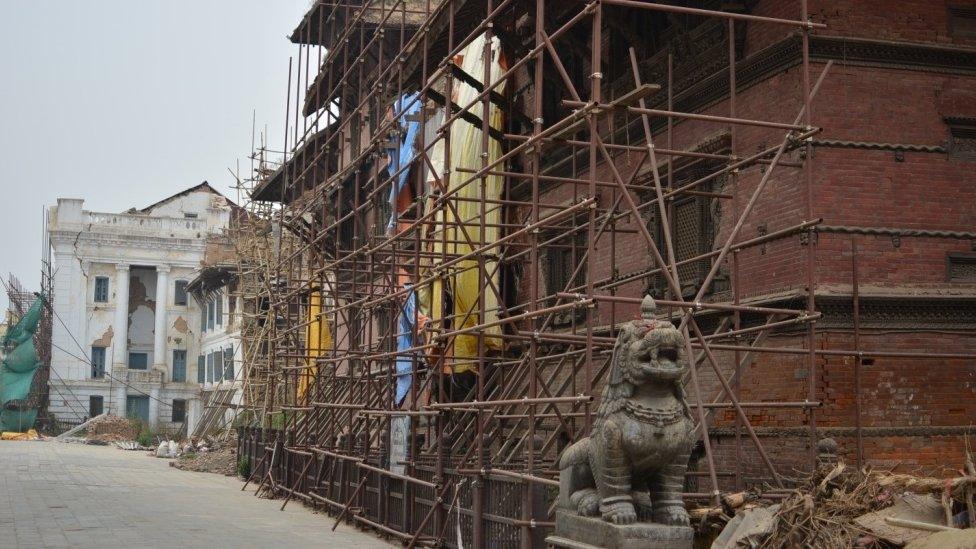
(471, 309)
(19, 301)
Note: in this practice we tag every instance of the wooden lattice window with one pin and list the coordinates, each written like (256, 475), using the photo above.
(560, 259)
(382, 207)
(961, 267)
(962, 138)
(962, 22)
(693, 224)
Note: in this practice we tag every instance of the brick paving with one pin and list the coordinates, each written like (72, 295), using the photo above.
(73, 495)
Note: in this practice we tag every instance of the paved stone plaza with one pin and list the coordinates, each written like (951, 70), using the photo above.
(72, 495)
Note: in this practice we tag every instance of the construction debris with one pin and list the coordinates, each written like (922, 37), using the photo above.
(747, 528)
(168, 449)
(204, 459)
(109, 428)
(130, 445)
(948, 539)
(81, 427)
(841, 506)
(909, 509)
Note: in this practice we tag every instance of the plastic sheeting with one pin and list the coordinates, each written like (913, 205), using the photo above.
(406, 339)
(406, 107)
(464, 282)
(318, 340)
(17, 371)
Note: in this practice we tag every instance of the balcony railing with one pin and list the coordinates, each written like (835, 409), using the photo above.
(143, 376)
(144, 225)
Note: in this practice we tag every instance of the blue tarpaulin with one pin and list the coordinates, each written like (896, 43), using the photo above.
(406, 328)
(406, 107)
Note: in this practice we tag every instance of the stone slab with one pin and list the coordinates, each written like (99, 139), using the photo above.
(576, 532)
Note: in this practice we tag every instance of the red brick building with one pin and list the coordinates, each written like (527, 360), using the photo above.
(820, 208)
(894, 183)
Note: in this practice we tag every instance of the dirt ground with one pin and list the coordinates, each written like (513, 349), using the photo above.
(221, 461)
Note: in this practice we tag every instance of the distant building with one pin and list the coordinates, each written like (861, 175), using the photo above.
(127, 334)
(219, 360)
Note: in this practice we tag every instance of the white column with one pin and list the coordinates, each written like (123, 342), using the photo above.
(63, 364)
(154, 407)
(120, 337)
(159, 333)
(194, 412)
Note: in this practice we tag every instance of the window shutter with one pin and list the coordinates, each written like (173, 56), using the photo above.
(101, 289)
(179, 365)
(97, 362)
(180, 293)
(229, 363)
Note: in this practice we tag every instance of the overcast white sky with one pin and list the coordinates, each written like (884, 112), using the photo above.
(125, 102)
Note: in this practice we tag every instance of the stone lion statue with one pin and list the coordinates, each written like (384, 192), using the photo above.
(632, 465)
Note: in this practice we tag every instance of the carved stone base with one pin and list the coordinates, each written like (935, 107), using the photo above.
(576, 532)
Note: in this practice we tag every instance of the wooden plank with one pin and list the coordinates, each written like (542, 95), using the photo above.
(633, 97)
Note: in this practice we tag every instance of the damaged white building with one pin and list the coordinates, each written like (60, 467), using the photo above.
(127, 335)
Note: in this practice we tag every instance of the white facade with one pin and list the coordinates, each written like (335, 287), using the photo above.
(220, 350)
(125, 337)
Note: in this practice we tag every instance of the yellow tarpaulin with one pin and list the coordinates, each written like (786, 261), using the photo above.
(318, 338)
(464, 280)
(12, 435)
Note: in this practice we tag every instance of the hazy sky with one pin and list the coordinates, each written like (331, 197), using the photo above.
(123, 103)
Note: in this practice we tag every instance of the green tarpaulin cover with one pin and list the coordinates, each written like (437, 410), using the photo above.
(17, 371)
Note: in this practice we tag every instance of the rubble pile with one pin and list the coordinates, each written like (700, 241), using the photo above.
(108, 428)
(208, 458)
(842, 506)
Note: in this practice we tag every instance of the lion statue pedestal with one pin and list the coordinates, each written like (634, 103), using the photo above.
(621, 486)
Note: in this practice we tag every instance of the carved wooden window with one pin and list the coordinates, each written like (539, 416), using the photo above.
(962, 267)
(693, 224)
(382, 207)
(962, 138)
(561, 259)
(386, 330)
(962, 22)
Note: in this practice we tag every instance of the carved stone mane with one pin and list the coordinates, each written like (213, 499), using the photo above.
(632, 465)
(623, 378)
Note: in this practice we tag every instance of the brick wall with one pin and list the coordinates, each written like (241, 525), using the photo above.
(851, 186)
